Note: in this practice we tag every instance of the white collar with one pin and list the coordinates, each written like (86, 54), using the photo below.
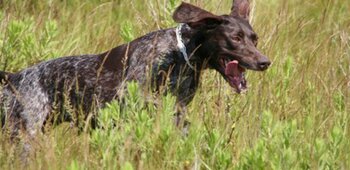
(181, 45)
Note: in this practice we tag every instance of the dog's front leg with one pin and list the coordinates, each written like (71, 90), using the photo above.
(180, 118)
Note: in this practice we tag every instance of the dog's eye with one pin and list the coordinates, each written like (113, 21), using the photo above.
(237, 39)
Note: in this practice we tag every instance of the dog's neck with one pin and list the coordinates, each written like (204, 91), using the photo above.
(189, 43)
(181, 45)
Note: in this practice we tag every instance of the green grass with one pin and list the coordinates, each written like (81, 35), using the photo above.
(294, 116)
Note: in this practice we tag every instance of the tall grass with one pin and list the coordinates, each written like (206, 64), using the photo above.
(294, 116)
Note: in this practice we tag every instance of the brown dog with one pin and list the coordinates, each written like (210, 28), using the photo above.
(175, 58)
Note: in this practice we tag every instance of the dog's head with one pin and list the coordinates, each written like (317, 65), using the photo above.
(229, 41)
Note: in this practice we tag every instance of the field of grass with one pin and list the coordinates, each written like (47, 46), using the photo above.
(294, 116)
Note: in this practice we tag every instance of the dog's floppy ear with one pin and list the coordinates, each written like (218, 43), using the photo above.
(196, 17)
(241, 8)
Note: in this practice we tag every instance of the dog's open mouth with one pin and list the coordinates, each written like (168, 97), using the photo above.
(234, 74)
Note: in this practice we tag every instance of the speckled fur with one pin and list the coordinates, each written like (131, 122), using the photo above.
(31, 95)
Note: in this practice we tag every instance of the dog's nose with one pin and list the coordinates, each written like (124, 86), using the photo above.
(264, 64)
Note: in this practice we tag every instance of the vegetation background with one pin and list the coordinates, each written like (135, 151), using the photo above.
(294, 116)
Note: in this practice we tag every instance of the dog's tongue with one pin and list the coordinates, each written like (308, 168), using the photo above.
(232, 68)
(235, 75)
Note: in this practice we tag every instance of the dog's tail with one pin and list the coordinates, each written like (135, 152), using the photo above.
(4, 77)
(3, 80)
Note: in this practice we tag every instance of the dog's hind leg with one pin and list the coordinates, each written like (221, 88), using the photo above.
(35, 112)
(26, 111)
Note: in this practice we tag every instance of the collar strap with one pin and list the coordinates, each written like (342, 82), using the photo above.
(181, 45)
